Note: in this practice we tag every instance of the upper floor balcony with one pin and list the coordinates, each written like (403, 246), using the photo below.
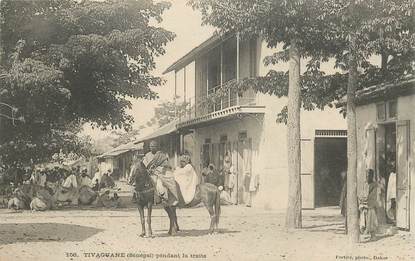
(216, 62)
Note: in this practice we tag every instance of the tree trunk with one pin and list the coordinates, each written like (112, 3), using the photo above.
(352, 206)
(293, 218)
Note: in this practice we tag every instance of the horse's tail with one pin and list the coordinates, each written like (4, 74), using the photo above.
(217, 207)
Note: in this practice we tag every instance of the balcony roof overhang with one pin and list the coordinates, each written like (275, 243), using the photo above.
(203, 48)
(235, 112)
(168, 129)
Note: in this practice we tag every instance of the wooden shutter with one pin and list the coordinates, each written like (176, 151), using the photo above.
(370, 154)
(402, 171)
(307, 173)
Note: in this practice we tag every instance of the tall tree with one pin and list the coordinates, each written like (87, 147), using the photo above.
(68, 62)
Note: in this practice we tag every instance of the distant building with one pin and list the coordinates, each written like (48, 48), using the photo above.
(119, 160)
(243, 125)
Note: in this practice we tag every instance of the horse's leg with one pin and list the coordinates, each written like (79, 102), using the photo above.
(175, 219)
(212, 216)
(216, 204)
(149, 209)
(143, 225)
(167, 209)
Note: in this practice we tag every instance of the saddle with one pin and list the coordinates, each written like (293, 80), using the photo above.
(195, 201)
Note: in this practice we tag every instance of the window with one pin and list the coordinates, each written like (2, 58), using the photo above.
(242, 136)
(253, 57)
(381, 111)
(387, 110)
(223, 138)
(392, 109)
(208, 140)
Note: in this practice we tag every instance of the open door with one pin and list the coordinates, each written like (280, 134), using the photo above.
(244, 169)
(402, 178)
(307, 173)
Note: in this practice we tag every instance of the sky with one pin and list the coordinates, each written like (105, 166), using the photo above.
(186, 24)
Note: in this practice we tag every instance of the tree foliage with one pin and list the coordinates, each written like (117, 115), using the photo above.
(384, 28)
(67, 62)
(168, 111)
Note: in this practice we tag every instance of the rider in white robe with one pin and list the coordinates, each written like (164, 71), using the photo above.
(187, 179)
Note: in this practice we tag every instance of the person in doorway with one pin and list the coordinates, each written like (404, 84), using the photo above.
(391, 198)
(205, 171)
(253, 188)
(229, 175)
(212, 175)
(372, 219)
(227, 165)
(343, 198)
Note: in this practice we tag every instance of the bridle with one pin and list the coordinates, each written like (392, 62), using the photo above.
(144, 173)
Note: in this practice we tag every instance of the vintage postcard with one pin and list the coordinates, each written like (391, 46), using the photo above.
(207, 130)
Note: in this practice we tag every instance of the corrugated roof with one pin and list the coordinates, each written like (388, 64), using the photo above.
(121, 149)
(164, 130)
(386, 91)
(190, 56)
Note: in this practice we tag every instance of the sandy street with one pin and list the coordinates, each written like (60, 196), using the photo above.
(245, 234)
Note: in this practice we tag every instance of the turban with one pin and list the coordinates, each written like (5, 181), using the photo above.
(185, 158)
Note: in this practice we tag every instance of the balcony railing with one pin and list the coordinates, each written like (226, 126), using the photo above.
(197, 106)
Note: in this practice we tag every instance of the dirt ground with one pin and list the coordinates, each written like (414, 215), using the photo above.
(245, 234)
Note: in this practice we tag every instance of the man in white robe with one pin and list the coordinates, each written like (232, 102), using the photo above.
(187, 179)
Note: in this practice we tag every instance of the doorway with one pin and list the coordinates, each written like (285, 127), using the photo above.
(330, 161)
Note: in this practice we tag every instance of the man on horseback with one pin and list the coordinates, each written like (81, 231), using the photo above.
(157, 164)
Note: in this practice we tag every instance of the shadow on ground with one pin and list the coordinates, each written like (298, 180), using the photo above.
(198, 233)
(38, 232)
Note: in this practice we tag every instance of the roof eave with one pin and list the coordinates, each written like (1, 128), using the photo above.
(188, 58)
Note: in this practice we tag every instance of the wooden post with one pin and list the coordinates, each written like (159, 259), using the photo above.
(175, 93)
(221, 72)
(237, 65)
(184, 83)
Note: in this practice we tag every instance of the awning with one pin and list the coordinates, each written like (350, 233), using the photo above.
(235, 112)
(198, 50)
(121, 149)
(164, 130)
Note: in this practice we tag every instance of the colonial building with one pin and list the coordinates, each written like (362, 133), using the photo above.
(386, 144)
(244, 127)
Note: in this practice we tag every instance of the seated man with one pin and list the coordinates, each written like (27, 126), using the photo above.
(95, 186)
(85, 180)
(158, 166)
(187, 179)
(107, 181)
(70, 181)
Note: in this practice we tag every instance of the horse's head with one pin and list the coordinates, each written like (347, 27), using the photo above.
(141, 177)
